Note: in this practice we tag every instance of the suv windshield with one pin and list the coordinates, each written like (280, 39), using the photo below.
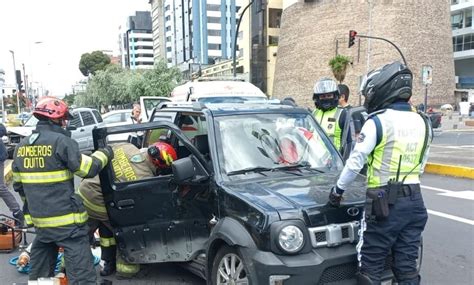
(269, 142)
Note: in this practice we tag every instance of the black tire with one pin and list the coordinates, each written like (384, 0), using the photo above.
(226, 252)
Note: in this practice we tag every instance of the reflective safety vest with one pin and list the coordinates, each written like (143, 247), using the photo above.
(402, 138)
(43, 170)
(329, 121)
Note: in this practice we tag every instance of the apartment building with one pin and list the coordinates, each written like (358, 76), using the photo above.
(136, 41)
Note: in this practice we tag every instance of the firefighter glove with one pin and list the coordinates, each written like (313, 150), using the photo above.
(108, 152)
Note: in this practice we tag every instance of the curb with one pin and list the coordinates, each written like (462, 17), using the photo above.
(7, 171)
(450, 170)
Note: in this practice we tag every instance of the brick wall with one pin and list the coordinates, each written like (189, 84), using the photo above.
(309, 32)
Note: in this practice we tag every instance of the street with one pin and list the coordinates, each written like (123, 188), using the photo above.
(448, 252)
(453, 148)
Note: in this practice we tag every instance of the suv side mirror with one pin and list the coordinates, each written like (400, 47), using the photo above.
(183, 169)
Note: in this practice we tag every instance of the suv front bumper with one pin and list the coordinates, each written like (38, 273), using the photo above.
(336, 265)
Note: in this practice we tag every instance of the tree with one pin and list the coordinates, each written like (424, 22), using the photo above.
(339, 65)
(90, 63)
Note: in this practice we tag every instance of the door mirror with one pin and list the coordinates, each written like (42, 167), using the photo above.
(183, 170)
(71, 128)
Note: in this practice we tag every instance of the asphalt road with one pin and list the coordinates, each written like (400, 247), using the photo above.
(448, 238)
(453, 147)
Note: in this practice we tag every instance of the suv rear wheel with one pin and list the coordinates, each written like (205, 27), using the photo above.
(229, 268)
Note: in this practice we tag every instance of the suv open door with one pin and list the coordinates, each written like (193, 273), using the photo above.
(152, 220)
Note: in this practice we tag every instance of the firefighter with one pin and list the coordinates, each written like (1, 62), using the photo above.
(129, 164)
(327, 113)
(44, 166)
(394, 143)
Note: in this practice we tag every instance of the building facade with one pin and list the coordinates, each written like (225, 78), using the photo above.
(195, 33)
(314, 32)
(136, 41)
(463, 47)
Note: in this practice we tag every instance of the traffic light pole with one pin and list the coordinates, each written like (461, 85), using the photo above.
(378, 38)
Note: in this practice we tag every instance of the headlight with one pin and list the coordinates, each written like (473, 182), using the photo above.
(291, 239)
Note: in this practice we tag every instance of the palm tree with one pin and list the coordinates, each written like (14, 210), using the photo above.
(339, 65)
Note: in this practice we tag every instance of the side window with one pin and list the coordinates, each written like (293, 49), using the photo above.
(98, 117)
(115, 118)
(76, 121)
(88, 118)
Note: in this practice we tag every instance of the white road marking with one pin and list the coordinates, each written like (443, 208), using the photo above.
(467, 195)
(451, 217)
(452, 146)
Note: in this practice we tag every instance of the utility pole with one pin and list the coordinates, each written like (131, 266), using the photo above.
(2, 80)
(17, 84)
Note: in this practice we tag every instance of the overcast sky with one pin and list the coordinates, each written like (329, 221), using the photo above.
(66, 29)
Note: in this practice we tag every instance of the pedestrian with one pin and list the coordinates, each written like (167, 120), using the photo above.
(6, 195)
(327, 113)
(44, 166)
(394, 143)
(137, 137)
(136, 165)
(344, 96)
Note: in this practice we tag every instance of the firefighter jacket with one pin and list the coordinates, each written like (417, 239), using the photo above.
(43, 168)
(128, 164)
(332, 124)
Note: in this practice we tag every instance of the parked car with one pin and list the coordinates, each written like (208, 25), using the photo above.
(247, 199)
(118, 118)
(84, 121)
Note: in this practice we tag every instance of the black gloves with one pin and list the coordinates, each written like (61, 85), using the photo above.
(108, 152)
(335, 196)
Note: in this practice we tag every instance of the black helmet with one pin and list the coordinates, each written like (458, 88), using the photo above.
(322, 87)
(386, 85)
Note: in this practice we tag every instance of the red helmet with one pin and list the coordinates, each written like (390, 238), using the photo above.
(52, 108)
(162, 154)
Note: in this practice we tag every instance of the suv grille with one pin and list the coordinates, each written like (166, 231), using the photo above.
(15, 139)
(337, 273)
(334, 235)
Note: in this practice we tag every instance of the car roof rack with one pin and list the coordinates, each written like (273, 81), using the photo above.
(196, 106)
(204, 79)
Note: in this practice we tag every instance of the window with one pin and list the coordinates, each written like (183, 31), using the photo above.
(214, 46)
(468, 17)
(274, 18)
(168, 38)
(213, 20)
(168, 28)
(87, 118)
(168, 49)
(214, 33)
(456, 21)
(75, 122)
(98, 117)
(115, 118)
(468, 42)
(273, 40)
(213, 7)
(167, 18)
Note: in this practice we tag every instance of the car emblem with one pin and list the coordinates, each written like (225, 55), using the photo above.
(353, 211)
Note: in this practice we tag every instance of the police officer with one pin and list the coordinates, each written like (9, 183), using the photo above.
(393, 142)
(44, 166)
(129, 164)
(327, 113)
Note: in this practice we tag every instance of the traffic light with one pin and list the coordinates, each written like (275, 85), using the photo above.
(352, 36)
(19, 82)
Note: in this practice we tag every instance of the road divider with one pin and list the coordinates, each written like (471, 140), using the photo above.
(450, 170)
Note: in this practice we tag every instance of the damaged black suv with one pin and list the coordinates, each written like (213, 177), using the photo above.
(247, 200)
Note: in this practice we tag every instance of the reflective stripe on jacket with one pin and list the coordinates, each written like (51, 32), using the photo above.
(43, 173)
(403, 137)
(329, 121)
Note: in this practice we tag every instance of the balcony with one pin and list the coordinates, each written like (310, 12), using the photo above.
(457, 5)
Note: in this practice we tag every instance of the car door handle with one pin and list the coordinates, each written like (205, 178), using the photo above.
(125, 204)
(82, 130)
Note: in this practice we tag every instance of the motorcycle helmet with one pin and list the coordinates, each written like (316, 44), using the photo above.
(326, 94)
(386, 85)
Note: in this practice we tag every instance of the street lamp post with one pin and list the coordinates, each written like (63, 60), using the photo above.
(2, 80)
(234, 54)
(17, 83)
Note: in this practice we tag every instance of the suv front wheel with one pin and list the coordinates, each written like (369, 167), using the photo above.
(229, 268)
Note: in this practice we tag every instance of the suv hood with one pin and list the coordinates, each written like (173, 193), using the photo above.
(305, 196)
(23, 131)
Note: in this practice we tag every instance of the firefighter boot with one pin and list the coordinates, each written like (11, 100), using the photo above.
(20, 217)
(109, 268)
